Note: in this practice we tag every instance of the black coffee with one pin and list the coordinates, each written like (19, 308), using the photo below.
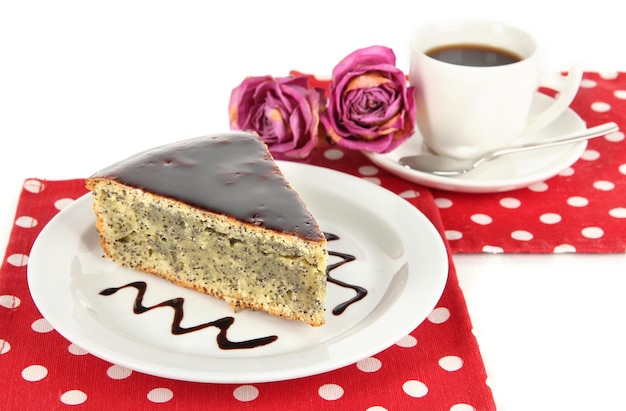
(473, 55)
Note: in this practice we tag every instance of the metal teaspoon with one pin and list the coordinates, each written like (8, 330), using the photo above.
(448, 166)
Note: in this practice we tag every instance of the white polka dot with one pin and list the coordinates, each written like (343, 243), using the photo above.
(41, 326)
(26, 222)
(439, 315)
(5, 347)
(73, 397)
(443, 202)
(333, 154)
(17, 260)
(368, 170)
(592, 232)
(619, 212)
(622, 169)
(521, 235)
(369, 364)
(9, 301)
(246, 393)
(587, 83)
(76, 350)
(481, 219)
(451, 363)
(493, 249)
(568, 172)
(462, 407)
(600, 107)
(376, 408)
(160, 395)
(603, 185)
(407, 341)
(117, 372)
(538, 187)
(609, 75)
(550, 218)
(510, 202)
(414, 388)
(60, 204)
(453, 235)
(590, 155)
(34, 186)
(565, 248)
(620, 94)
(373, 180)
(330, 392)
(410, 194)
(614, 137)
(577, 201)
(34, 373)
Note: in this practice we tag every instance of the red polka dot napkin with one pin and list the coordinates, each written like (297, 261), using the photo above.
(583, 209)
(438, 366)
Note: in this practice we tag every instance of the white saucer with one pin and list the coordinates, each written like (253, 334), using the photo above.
(502, 174)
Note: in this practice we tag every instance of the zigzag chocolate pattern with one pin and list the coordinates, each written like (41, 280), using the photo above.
(345, 258)
(177, 304)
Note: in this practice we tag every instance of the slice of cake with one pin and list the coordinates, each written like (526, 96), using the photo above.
(215, 214)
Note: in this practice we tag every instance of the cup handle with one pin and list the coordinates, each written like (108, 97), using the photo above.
(567, 88)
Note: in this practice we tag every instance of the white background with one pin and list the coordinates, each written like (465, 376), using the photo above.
(85, 83)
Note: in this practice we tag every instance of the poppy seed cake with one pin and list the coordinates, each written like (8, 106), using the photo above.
(215, 214)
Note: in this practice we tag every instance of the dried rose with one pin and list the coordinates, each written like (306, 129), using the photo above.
(284, 111)
(370, 105)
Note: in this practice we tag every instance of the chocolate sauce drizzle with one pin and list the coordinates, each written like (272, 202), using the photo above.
(223, 324)
(345, 258)
(177, 304)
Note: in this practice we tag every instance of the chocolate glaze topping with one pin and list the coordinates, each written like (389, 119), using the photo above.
(231, 174)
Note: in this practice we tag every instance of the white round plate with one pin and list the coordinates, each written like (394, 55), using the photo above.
(400, 259)
(505, 173)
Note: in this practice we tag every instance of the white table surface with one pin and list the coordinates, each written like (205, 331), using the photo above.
(85, 83)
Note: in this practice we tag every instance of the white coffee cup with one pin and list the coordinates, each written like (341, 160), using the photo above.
(463, 110)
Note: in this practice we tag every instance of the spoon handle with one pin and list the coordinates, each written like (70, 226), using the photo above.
(586, 134)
